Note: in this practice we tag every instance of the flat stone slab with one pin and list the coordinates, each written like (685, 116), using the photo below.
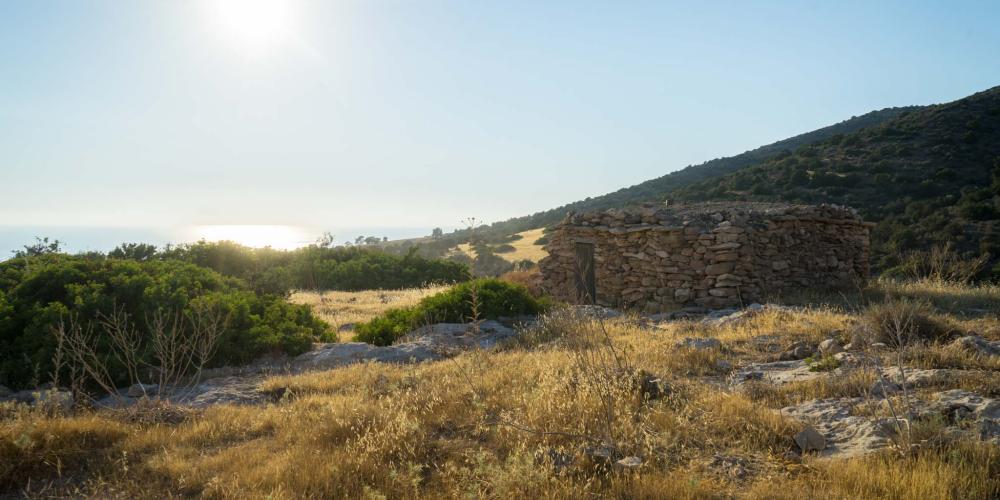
(778, 372)
(849, 435)
(846, 435)
(428, 343)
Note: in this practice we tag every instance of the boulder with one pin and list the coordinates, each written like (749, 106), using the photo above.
(829, 347)
(798, 350)
(977, 344)
(809, 439)
(426, 343)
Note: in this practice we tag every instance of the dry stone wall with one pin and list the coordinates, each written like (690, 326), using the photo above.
(659, 257)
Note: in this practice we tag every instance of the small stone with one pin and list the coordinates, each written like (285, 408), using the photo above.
(810, 440)
(602, 455)
(723, 365)
(628, 463)
(720, 268)
(796, 351)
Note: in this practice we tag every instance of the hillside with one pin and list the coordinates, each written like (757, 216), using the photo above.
(930, 176)
(659, 188)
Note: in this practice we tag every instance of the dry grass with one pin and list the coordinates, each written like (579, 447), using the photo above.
(524, 248)
(341, 309)
(495, 424)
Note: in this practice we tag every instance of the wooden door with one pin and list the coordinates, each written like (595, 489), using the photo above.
(586, 287)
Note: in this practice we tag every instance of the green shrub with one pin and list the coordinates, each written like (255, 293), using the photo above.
(353, 268)
(494, 298)
(36, 294)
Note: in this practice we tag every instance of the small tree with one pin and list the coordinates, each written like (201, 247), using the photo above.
(133, 251)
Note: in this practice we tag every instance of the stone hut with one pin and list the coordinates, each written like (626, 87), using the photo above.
(712, 255)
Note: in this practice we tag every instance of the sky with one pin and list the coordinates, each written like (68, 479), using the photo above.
(422, 113)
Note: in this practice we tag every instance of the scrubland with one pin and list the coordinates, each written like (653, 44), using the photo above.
(535, 418)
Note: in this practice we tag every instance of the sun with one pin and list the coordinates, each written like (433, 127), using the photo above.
(257, 236)
(254, 27)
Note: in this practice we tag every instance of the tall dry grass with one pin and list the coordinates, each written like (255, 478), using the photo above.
(521, 421)
(342, 309)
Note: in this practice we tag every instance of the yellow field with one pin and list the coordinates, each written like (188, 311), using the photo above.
(525, 248)
(517, 422)
(348, 308)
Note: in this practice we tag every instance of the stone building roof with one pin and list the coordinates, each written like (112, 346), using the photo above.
(711, 214)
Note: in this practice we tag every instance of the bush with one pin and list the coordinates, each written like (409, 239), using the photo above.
(939, 264)
(34, 299)
(495, 299)
(490, 264)
(530, 278)
(504, 248)
(904, 322)
(318, 267)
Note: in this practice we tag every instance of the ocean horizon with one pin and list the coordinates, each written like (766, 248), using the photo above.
(76, 239)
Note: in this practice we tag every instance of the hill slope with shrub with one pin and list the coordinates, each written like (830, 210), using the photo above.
(929, 177)
(661, 187)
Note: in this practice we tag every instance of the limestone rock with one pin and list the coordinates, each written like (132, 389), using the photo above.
(798, 350)
(829, 347)
(975, 343)
(698, 343)
(628, 464)
(809, 439)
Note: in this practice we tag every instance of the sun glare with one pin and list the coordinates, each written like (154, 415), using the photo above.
(254, 26)
(257, 236)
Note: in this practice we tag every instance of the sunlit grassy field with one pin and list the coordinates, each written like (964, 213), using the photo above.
(525, 248)
(341, 309)
(515, 422)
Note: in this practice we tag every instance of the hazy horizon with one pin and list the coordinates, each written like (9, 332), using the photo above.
(398, 114)
(76, 239)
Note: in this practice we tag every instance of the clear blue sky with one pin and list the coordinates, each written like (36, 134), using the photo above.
(386, 113)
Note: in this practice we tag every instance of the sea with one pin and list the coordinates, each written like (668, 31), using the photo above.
(77, 239)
